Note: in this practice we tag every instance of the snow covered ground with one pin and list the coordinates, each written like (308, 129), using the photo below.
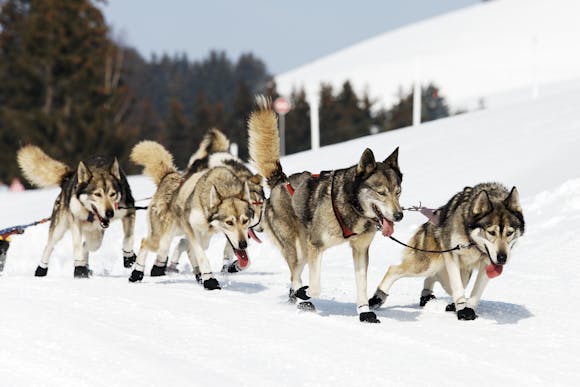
(57, 331)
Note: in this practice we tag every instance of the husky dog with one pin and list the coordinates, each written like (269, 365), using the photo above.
(484, 222)
(213, 151)
(197, 205)
(307, 214)
(91, 196)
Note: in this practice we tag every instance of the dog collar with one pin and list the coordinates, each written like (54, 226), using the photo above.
(346, 232)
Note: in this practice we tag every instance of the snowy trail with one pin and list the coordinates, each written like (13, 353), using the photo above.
(57, 331)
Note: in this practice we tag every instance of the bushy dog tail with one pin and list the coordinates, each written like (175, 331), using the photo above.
(214, 141)
(264, 143)
(40, 169)
(158, 162)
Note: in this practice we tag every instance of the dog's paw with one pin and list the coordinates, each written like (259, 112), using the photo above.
(82, 272)
(158, 271)
(425, 299)
(466, 314)
(450, 307)
(232, 267)
(41, 271)
(306, 306)
(211, 284)
(378, 299)
(198, 278)
(128, 261)
(368, 317)
(172, 268)
(136, 276)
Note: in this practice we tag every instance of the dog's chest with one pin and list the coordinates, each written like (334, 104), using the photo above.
(470, 258)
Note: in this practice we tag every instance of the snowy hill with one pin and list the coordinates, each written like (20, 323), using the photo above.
(482, 51)
(104, 331)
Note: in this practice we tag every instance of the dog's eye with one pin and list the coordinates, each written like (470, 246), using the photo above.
(491, 232)
(244, 221)
(509, 233)
(113, 194)
(229, 222)
(98, 194)
(382, 192)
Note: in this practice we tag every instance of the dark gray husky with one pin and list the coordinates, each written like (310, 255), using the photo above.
(91, 196)
(307, 214)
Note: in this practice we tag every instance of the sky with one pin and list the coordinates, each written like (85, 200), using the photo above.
(283, 34)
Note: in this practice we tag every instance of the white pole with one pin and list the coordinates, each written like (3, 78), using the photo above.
(417, 96)
(314, 123)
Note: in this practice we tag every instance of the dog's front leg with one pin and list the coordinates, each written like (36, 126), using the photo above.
(129, 256)
(196, 247)
(457, 289)
(480, 284)
(81, 256)
(360, 256)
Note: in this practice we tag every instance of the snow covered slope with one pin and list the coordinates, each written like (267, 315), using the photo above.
(476, 52)
(104, 331)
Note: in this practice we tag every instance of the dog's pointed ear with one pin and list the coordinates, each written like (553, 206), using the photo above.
(83, 173)
(214, 197)
(366, 164)
(247, 196)
(115, 170)
(256, 179)
(482, 204)
(393, 159)
(512, 202)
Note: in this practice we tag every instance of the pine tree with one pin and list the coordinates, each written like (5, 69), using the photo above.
(298, 123)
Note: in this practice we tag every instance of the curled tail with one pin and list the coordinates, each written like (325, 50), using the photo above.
(40, 169)
(158, 162)
(214, 141)
(264, 142)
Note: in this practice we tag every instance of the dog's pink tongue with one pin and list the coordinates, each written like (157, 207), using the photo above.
(492, 270)
(253, 235)
(388, 228)
(243, 259)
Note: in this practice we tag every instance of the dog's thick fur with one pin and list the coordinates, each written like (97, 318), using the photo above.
(196, 205)
(323, 209)
(213, 151)
(487, 217)
(89, 200)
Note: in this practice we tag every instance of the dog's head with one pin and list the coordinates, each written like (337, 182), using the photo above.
(99, 190)
(379, 189)
(232, 216)
(496, 225)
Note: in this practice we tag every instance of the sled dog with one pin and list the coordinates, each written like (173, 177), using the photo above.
(91, 196)
(307, 214)
(213, 152)
(485, 221)
(197, 205)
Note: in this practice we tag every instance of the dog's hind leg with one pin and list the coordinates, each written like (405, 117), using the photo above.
(129, 256)
(181, 247)
(57, 229)
(427, 292)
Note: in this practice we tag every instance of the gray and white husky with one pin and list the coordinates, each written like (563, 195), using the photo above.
(307, 214)
(485, 221)
(91, 196)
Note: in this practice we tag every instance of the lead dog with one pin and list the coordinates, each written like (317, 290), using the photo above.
(307, 214)
(91, 196)
(487, 221)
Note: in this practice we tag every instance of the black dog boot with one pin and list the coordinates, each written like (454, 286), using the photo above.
(136, 276)
(211, 284)
(158, 271)
(378, 299)
(82, 272)
(426, 296)
(129, 259)
(466, 314)
(301, 296)
(41, 271)
(450, 307)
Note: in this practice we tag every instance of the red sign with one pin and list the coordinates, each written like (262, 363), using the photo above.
(282, 105)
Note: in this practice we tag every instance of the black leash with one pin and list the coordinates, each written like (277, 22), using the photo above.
(134, 208)
(458, 247)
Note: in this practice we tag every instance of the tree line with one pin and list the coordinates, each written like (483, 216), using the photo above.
(69, 88)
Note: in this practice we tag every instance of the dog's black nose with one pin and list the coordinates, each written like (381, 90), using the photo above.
(243, 245)
(501, 258)
(109, 213)
(398, 216)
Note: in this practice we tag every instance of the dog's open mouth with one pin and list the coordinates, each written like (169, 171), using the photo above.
(253, 235)
(103, 222)
(386, 226)
(243, 259)
(493, 269)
